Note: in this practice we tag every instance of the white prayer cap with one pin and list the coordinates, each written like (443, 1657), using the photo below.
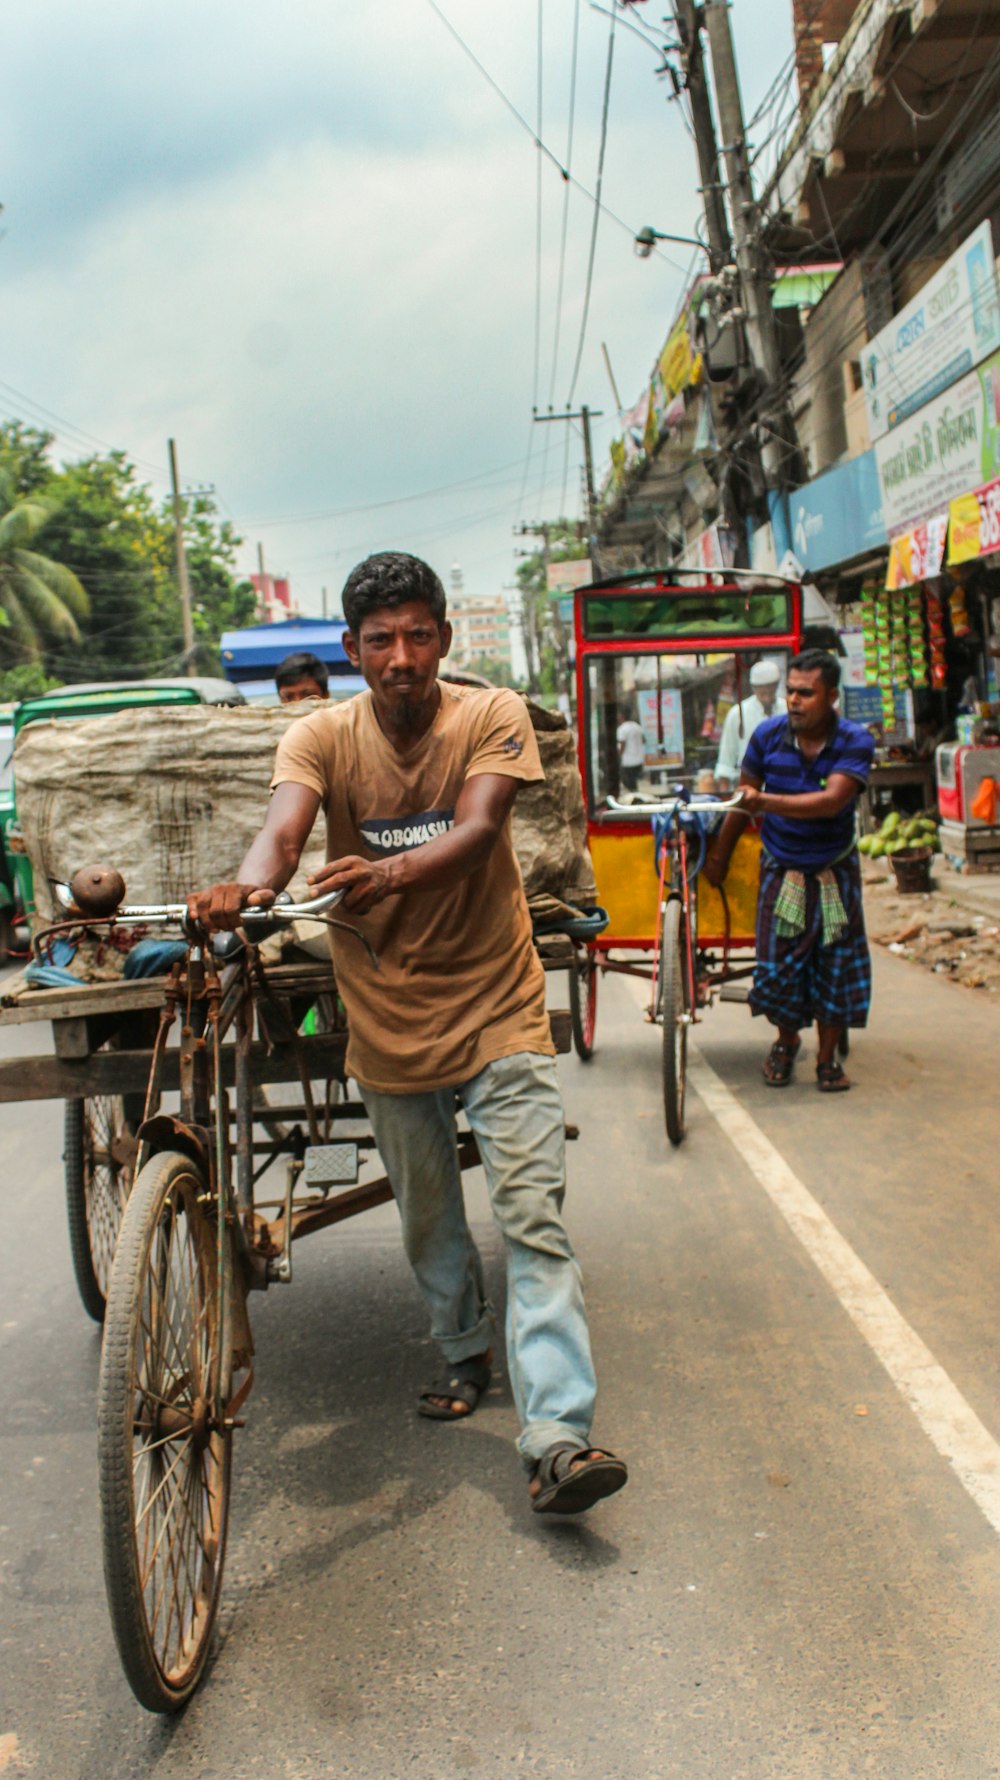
(765, 673)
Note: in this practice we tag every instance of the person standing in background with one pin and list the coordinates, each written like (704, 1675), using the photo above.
(631, 752)
(742, 720)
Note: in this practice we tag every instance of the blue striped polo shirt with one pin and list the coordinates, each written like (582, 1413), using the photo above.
(773, 757)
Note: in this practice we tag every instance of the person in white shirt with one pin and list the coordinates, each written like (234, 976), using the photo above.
(631, 752)
(742, 720)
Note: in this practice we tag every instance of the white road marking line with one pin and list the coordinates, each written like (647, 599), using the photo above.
(946, 1418)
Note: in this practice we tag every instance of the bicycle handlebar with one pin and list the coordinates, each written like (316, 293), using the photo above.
(163, 914)
(675, 803)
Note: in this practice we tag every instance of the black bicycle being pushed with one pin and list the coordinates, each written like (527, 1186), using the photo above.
(200, 1230)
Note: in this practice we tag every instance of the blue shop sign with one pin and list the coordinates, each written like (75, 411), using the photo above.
(838, 516)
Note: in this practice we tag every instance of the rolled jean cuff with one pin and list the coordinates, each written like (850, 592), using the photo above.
(471, 1341)
(539, 1436)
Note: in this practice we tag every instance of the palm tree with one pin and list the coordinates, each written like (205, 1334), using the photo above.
(40, 600)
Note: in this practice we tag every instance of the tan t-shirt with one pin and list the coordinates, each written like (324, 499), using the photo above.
(459, 982)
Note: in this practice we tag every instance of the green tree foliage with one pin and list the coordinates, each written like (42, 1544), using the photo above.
(219, 600)
(500, 672)
(104, 529)
(545, 645)
(27, 681)
(41, 599)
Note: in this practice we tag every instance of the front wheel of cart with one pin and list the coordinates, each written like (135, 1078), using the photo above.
(674, 1012)
(97, 1158)
(164, 1450)
(583, 1003)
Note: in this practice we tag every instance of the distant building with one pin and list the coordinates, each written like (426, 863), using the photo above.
(481, 625)
(274, 598)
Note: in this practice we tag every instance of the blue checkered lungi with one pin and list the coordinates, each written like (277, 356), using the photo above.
(797, 979)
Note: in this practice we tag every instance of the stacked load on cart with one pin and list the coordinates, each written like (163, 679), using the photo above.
(173, 797)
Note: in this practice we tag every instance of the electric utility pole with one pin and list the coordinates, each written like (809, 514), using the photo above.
(183, 583)
(755, 278)
(687, 18)
(585, 415)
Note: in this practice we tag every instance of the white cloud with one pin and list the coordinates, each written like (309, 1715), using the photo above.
(303, 245)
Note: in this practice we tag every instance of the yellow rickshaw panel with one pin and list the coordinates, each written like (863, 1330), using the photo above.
(628, 887)
(742, 887)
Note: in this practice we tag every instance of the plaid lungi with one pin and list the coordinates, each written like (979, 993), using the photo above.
(796, 978)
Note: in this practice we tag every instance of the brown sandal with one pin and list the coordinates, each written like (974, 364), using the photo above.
(779, 1064)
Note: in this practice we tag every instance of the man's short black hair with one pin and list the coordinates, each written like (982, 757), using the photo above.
(303, 666)
(391, 578)
(818, 661)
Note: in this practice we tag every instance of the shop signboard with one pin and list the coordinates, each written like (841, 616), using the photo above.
(974, 528)
(948, 447)
(917, 555)
(680, 364)
(563, 577)
(948, 328)
(838, 516)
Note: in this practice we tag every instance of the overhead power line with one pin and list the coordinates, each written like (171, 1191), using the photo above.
(597, 211)
(564, 172)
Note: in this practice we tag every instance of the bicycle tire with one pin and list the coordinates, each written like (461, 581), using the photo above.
(673, 1001)
(583, 1004)
(166, 1343)
(97, 1188)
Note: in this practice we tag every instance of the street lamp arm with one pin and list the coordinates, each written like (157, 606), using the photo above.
(647, 238)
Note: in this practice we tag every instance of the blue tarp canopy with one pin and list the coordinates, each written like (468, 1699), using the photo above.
(253, 654)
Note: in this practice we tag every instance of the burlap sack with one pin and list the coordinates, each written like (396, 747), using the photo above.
(173, 797)
(550, 821)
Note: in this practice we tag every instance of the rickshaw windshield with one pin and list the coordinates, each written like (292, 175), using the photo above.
(654, 721)
(746, 610)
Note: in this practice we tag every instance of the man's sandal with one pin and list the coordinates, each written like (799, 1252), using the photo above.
(465, 1383)
(779, 1064)
(830, 1078)
(570, 1488)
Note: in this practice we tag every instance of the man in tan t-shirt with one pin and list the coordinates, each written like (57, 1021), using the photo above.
(417, 779)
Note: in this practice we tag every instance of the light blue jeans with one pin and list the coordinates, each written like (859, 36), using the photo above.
(515, 1110)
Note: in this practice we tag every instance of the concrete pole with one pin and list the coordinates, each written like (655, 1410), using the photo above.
(755, 279)
(688, 21)
(184, 585)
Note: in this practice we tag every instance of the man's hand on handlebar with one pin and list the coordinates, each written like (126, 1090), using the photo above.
(365, 882)
(220, 908)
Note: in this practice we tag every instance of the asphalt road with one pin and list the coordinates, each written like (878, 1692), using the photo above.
(801, 1579)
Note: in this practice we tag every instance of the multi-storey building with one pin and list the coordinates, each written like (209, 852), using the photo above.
(481, 625)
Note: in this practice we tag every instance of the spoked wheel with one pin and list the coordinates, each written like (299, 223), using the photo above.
(583, 1003)
(674, 1007)
(163, 1449)
(97, 1158)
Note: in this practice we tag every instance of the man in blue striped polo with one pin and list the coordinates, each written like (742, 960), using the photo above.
(803, 772)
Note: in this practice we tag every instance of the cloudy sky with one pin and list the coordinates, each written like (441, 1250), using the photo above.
(302, 241)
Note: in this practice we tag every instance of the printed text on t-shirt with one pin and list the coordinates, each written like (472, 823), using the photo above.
(399, 834)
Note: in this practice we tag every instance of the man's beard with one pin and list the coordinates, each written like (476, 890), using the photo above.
(407, 715)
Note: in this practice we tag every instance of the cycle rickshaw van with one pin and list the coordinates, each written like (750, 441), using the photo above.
(662, 659)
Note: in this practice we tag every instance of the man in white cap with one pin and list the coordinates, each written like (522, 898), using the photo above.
(742, 720)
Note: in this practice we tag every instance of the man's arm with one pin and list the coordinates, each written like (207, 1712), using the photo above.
(717, 864)
(270, 861)
(482, 809)
(805, 806)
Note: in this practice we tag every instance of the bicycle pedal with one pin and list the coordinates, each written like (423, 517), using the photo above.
(331, 1165)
